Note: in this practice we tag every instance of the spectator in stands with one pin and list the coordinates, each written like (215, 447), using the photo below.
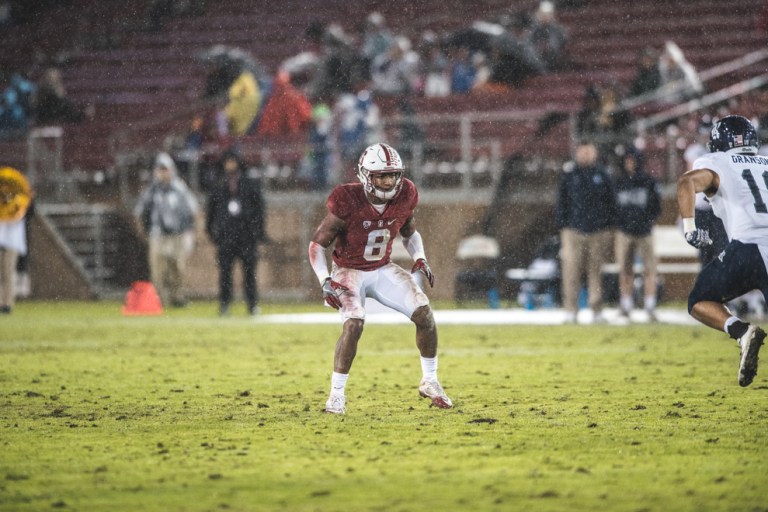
(587, 117)
(223, 71)
(339, 66)
(357, 125)
(679, 79)
(507, 46)
(196, 136)
(235, 83)
(602, 119)
(396, 72)
(410, 134)
(512, 56)
(303, 68)
(318, 160)
(435, 66)
(647, 76)
(549, 37)
(585, 212)
(462, 70)
(638, 206)
(168, 215)
(221, 122)
(235, 222)
(482, 71)
(51, 102)
(188, 154)
(287, 112)
(244, 102)
(376, 38)
(15, 104)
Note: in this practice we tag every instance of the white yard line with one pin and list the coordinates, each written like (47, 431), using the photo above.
(514, 316)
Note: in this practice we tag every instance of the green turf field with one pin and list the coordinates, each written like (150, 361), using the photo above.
(190, 412)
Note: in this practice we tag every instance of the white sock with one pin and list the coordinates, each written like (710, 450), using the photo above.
(429, 367)
(650, 302)
(338, 383)
(627, 304)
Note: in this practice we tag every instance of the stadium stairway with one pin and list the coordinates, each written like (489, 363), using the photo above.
(98, 243)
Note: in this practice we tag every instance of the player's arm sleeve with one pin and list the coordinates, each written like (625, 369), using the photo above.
(318, 261)
(326, 233)
(688, 185)
(415, 246)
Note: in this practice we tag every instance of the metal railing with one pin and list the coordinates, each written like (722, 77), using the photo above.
(705, 76)
(705, 101)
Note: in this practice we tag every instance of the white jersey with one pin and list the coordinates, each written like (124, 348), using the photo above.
(741, 200)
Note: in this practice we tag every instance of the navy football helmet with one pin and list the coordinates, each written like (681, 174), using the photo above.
(733, 132)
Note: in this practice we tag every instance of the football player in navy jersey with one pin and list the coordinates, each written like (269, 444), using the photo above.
(735, 179)
(363, 220)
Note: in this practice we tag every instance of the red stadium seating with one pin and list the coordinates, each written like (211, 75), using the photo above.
(152, 75)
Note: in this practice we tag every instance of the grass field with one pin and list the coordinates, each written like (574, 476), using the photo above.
(190, 412)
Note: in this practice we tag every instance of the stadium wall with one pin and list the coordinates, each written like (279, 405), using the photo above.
(285, 275)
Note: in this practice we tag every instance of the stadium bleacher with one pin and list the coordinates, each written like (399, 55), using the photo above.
(152, 75)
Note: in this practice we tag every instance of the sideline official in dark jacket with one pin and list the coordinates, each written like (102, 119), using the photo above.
(235, 223)
(638, 200)
(585, 212)
(638, 203)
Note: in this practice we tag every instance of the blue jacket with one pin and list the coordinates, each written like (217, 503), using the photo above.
(586, 200)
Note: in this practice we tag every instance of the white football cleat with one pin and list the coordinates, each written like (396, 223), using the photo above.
(750, 346)
(434, 391)
(336, 404)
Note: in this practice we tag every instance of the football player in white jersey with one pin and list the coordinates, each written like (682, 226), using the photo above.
(735, 179)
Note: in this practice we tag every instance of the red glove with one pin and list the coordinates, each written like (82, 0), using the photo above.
(422, 266)
(331, 292)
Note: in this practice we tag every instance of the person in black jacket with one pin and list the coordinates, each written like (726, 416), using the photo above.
(638, 204)
(585, 213)
(235, 223)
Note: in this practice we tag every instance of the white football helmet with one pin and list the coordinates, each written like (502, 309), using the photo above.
(376, 159)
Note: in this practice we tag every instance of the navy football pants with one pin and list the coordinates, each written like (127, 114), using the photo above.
(737, 270)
